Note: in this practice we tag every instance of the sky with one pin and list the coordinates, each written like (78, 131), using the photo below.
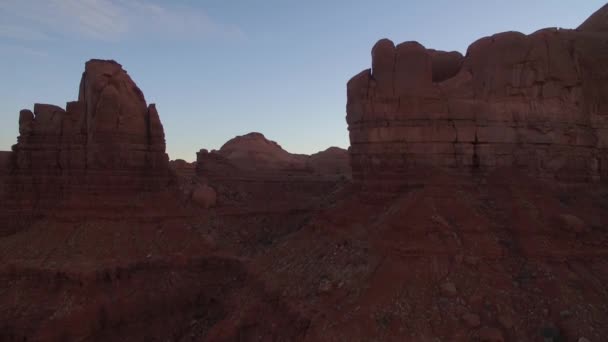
(220, 68)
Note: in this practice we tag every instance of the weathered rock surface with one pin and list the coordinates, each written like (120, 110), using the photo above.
(182, 169)
(204, 196)
(109, 140)
(597, 22)
(5, 163)
(534, 102)
(4, 157)
(178, 164)
(254, 154)
(214, 164)
(333, 160)
(254, 172)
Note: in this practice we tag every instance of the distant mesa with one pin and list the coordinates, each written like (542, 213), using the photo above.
(180, 164)
(334, 160)
(109, 140)
(254, 153)
(533, 103)
(253, 172)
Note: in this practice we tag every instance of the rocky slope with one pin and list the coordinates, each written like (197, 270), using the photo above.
(532, 102)
(451, 261)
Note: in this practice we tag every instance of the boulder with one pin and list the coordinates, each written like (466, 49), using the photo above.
(572, 223)
(204, 196)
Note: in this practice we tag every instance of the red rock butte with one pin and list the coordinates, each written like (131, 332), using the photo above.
(534, 103)
(108, 141)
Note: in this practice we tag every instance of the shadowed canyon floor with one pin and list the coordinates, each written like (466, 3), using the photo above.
(448, 228)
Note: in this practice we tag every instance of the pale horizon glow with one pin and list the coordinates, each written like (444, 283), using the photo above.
(218, 69)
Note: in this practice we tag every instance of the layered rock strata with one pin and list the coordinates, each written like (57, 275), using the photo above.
(536, 103)
(5, 163)
(109, 141)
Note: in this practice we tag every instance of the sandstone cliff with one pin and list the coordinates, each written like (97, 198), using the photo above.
(535, 103)
(109, 141)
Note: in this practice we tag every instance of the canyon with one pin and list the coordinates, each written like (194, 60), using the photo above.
(470, 206)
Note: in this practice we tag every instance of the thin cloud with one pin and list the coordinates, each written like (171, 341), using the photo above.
(107, 20)
(176, 22)
(7, 50)
(94, 19)
(17, 32)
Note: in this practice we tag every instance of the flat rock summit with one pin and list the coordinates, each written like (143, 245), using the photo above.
(469, 206)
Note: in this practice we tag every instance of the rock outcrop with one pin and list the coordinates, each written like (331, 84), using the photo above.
(204, 196)
(333, 160)
(597, 22)
(253, 172)
(5, 163)
(536, 103)
(109, 141)
(182, 168)
(5, 160)
(253, 154)
(179, 164)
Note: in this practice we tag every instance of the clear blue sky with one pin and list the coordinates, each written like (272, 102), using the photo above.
(220, 68)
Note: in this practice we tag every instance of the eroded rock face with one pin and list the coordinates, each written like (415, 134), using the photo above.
(108, 140)
(533, 102)
(598, 21)
(5, 163)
